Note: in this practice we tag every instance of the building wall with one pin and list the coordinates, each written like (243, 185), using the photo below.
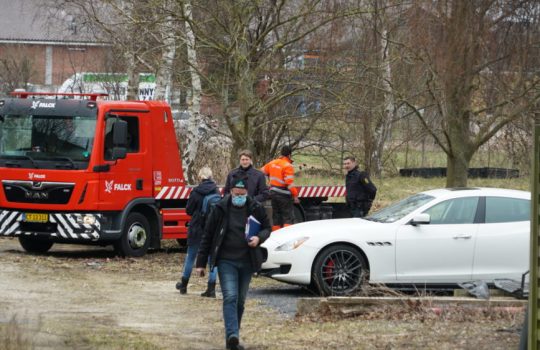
(66, 60)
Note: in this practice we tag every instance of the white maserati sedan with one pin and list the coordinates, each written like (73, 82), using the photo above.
(435, 238)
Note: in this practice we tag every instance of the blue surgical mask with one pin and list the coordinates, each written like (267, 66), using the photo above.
(239, 201)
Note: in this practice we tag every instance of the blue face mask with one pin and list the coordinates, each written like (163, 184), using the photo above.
(239, 201)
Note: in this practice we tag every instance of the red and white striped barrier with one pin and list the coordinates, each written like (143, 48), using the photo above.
(182, 192)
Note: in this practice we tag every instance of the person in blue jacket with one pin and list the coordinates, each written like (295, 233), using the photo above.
(194, 208)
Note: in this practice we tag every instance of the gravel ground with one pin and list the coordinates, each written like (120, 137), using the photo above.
(79, 297)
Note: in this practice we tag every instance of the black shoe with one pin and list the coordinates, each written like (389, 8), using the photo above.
(182, 285)
(234, 344)
(210, 291)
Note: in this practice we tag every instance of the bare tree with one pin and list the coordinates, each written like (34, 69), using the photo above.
(248, 48)
(474, 65)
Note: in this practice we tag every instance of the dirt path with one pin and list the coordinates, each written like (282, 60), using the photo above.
(70, 302)
(85, 298)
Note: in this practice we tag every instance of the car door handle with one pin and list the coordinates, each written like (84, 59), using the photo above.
(463, 236)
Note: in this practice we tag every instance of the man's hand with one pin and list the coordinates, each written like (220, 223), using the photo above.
(254, 241)
(200, 271)
(296, 200)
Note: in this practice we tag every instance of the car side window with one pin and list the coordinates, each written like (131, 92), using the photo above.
(502, 209)
(453, 211)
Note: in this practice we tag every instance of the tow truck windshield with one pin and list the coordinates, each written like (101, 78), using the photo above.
(46, 141)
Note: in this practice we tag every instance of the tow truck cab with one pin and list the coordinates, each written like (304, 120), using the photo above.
(83, 170)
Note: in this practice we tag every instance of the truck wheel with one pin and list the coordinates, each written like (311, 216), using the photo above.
(34, 245)
(135, 238)
(298, 214)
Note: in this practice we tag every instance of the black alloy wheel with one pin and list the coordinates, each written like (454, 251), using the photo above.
(339, 270)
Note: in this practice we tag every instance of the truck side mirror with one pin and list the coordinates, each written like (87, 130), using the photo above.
(120, 133)
(421, 219)
(120, 139)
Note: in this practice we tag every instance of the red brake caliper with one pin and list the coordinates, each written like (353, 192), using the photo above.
(329, 271)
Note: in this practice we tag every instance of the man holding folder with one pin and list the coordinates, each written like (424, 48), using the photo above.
(232, 235)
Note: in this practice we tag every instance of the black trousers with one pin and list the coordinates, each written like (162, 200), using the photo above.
(282, 209)
(358, 209)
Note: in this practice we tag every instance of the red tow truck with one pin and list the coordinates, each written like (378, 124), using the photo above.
(75, 168)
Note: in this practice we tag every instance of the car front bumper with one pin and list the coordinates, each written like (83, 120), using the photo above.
(292, 266)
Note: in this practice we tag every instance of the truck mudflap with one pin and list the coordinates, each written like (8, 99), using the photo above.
(66, 226)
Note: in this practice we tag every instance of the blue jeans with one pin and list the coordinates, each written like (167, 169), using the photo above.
(234, 278)
(190, 260)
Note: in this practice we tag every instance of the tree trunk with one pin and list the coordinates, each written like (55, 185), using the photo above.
(133, 77)
(385, 124)
(461, 151)
(457, 170)
(195, 124)
(164, 73)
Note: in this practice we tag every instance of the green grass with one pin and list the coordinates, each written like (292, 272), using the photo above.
(311, 161)
(391, 189)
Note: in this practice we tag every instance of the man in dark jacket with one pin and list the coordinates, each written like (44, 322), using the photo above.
(360, 190)
(196, 229)
(237, 259)
(256, 180)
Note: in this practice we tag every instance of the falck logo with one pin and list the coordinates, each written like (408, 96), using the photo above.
(40, 104)
(32, 176)
(109, 186)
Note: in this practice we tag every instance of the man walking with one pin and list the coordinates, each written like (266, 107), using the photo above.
(237, 258)
(280, 172)
(360, 190)
(256, 181)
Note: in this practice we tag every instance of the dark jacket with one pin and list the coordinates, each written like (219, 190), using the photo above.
(216, 226)
(256, 183)
(359, 186)
(193, 208)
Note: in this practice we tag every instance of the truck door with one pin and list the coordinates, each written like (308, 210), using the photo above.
(126, 178)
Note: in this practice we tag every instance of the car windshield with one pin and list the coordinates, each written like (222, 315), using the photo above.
(398, 210)
(47, 138)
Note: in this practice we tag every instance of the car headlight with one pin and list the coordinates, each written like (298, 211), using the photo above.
(292, 244)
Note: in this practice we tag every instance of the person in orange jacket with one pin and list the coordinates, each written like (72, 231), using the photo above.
(283, 194)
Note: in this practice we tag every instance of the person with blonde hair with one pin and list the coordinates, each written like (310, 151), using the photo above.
(199, 204)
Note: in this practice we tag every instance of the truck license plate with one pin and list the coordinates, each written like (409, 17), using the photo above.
(36, 217)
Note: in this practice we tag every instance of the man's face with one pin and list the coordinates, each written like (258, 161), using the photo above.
(245, 161)
(348, 164)
(235, 191)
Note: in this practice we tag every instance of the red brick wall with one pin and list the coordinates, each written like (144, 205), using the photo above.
(67, 60)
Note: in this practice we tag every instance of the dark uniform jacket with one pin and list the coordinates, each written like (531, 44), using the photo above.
(359, 187)
(256, 182)
(193, 208)
(216, 226)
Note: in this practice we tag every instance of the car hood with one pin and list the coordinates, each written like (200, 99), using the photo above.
(323, 228)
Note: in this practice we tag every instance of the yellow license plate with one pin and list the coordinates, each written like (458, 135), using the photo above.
(36, 217)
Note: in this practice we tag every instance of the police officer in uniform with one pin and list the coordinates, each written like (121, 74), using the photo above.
(360, 190)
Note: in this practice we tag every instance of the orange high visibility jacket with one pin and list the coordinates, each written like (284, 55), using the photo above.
(280, 171)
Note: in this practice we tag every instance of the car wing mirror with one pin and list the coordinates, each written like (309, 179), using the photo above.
(421, 219)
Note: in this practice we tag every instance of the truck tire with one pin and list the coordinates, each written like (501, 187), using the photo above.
(34, 245)
(299, 215)
(135, 238)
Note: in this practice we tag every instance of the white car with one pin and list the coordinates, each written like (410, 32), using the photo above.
(434, 238)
